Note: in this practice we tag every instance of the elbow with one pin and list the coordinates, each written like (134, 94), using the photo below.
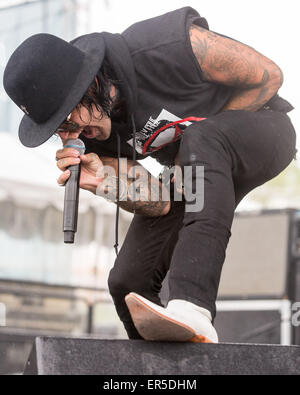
(276, 77)
(166, 209)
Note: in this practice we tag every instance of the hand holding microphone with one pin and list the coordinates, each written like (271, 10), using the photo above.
(79, 171)
(72, 192)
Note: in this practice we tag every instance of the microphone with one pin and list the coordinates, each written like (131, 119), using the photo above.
(70, 215)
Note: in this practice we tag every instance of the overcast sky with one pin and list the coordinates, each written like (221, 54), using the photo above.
(270, 26)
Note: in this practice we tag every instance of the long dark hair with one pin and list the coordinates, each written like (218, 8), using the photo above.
(98, 94)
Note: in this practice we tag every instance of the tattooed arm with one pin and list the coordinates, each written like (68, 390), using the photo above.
(149, 197)
(99, 176)
(256, 79)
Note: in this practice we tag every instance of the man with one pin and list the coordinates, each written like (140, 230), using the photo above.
(169, 88)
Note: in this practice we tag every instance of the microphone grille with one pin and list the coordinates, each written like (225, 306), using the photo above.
(76, 144)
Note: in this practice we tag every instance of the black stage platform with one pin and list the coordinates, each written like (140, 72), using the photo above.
(63, 356)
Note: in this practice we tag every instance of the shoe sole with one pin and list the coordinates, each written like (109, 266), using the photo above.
(155, 326)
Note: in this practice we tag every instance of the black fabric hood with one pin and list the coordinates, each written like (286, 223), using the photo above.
(118, 55)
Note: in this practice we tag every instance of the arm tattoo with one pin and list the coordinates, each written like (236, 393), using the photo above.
(253, 77)
(144, 205)
(139, 190)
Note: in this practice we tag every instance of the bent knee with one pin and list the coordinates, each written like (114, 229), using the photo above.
(125, 278)
(117, 283)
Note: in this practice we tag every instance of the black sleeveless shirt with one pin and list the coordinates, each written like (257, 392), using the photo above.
(162, 85)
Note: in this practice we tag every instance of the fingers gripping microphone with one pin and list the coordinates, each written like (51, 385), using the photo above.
(72, 194)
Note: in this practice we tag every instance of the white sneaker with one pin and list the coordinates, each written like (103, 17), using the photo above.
(179, 321)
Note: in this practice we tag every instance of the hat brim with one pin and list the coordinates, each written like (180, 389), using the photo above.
(32, 134)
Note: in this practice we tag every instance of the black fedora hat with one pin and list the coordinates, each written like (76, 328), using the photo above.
(47, 77)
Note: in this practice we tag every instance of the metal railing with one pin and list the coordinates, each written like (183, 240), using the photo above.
(90, 296)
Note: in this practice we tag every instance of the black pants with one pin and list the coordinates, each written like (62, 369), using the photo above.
(239, 151)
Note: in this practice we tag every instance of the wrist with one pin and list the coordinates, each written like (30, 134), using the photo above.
(108, 189)
(93, 185)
